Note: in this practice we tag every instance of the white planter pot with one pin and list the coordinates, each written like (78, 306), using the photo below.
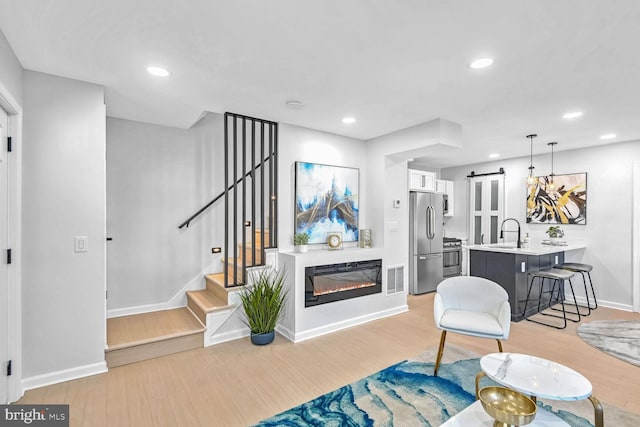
(301, 248)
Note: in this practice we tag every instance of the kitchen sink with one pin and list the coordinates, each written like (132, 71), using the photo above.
(502, 246)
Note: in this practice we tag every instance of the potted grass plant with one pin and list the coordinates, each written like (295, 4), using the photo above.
(263, 302)
(300, 241)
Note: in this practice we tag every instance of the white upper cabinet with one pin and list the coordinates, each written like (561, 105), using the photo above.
(450, 196)
(422, 181)
(446, 187)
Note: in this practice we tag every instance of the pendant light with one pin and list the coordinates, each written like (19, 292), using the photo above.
(531, 180)
(551, 186)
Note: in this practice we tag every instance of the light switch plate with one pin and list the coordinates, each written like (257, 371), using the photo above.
(396, 203)
(81, 244)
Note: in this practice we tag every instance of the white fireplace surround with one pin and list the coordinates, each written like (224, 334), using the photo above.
(301, 323)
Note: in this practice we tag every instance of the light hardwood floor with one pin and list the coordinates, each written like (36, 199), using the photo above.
(238, 384)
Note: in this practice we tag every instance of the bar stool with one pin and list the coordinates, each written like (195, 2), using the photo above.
(558, 276)
(582, 269)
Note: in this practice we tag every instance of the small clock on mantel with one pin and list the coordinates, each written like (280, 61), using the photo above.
(334, 240)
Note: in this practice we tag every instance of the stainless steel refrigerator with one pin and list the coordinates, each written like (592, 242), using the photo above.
(425, 228)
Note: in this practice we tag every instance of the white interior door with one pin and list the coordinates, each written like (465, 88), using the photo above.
(4, 268)
(486, 206)
(635, 253)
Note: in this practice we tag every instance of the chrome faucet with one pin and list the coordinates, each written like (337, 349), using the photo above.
(502, 230)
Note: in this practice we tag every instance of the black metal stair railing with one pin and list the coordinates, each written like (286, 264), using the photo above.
(241, 143)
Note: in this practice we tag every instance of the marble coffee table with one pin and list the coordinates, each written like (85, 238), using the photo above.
(537, 377)
(475, 415)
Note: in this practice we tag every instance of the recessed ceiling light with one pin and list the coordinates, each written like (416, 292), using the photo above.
(572, 115)
(608, 136)
(481, 63)
(348, 120)
(158, 71)
(494, 155)
(294, 104)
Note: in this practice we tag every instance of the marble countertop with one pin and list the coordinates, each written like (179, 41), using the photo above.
(532, 249)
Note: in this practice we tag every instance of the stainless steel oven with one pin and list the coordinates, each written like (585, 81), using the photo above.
(451, 257)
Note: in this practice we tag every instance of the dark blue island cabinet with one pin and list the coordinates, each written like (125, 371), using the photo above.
(510, 270)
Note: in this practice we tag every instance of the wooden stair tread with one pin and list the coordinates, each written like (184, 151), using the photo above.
(250, 245)
(215, 283)
(207, 300)
(139, 329)
(238, 262)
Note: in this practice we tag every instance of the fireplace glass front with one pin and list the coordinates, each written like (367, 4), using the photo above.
(335, 282)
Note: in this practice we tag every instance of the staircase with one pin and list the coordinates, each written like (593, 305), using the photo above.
(145, 336)
(250, 197)
(148, 335)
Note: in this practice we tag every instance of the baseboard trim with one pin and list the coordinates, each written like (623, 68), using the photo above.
(226, 336)
(139, 309)
(64, 375)
(608, 304)
(285, 332)
(179, 299)
(197, 283)
(334, 327)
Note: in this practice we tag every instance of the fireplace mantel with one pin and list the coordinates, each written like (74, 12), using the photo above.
(301, 323)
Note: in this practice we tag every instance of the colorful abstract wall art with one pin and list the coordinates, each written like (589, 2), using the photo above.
(326, 200)
(566, 204)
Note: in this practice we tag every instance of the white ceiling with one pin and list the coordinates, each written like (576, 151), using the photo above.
(390, 64)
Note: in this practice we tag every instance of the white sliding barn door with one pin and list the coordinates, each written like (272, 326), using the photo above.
(486, 205)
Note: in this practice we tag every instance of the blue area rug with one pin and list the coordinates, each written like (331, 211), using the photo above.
(406, 394)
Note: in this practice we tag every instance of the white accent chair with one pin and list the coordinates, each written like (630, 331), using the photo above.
(473, 306)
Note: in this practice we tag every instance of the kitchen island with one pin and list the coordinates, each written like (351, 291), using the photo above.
(509, 267)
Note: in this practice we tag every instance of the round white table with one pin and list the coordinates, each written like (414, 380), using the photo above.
(475, 415)
(538, 377)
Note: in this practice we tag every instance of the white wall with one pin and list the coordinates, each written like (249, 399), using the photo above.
(307, 145)
(157, 177)
(388, 157)
(10, 70)
(607, 233)
(301, 144)
(63, 197)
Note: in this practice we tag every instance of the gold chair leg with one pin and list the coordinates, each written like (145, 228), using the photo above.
(599, 414)
(443, 336)
(499, 346)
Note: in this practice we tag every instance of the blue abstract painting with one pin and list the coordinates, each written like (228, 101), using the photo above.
(326, 201)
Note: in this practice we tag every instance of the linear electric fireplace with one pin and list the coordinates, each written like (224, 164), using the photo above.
(335, 282)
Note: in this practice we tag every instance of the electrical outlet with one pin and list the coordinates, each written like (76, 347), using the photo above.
(81, 244)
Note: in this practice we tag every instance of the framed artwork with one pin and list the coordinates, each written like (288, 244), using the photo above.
(326, 200)
(365, 238)
(565, 204)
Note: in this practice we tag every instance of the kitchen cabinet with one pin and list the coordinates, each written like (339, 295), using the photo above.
(422, 181)
(510, 270)
(446, 187)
